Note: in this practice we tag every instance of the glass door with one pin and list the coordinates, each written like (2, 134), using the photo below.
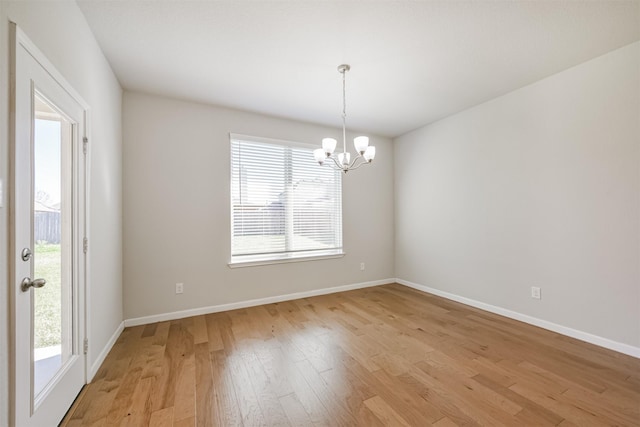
(48, 227)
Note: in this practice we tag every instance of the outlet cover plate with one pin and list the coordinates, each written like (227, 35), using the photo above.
(536, 292)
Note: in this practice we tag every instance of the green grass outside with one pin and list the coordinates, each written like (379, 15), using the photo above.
(48, 299)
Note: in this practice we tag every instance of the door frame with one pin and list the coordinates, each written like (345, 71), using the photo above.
(81, 161)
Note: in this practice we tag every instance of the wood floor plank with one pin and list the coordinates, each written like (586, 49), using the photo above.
(226, 408)
(205, 399)
(266, 395)
(531, 411)
(445, 422)
(162, 418)
(374, 384)
(185, 402)
(348, 387)
(149, 330)
(139, 412)
(295, 412)
(214, 338)
(199, 330)
(124, 396)
(305, 394)
(612, 410)
(164, 388)
(314, 351)
(185, 422)
(387, 355)
(560, 405)
(440, 398)
(366, 418)
(410, 401)
(247, 399)
(276, 368)
(224, 326)
(384, 412)
(340, 415)
(358, 347)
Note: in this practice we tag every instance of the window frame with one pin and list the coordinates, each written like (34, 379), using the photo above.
(249, 260)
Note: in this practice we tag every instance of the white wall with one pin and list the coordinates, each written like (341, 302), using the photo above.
(177, 214)
(540, 187)
(61, 32)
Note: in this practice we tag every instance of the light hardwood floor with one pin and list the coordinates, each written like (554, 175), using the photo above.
(387, 355)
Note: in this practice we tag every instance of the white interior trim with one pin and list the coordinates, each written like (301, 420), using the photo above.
(258, 261)
(564, 330)
(272, 141)
(105, 351)
(250, 303)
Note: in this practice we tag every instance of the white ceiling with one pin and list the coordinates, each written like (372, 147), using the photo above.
(413, 62)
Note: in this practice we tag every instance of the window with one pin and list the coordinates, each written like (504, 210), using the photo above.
(283, 205)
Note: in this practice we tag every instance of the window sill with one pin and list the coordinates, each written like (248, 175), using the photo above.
(249, 261)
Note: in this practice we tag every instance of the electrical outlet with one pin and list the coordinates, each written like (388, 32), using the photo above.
(362, 266)
(536, 293)
(179, 288)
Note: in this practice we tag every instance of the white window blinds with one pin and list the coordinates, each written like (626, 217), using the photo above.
(283, 205)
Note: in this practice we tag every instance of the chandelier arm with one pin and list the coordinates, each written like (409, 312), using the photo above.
(355, 164)
(335, 161)
(355, 159)
(364, 162)
(331, 166)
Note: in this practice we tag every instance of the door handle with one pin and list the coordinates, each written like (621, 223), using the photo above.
(28, 283)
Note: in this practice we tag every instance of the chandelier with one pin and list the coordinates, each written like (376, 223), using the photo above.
(365, 153)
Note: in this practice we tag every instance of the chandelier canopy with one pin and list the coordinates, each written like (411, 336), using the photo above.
(365, 153)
